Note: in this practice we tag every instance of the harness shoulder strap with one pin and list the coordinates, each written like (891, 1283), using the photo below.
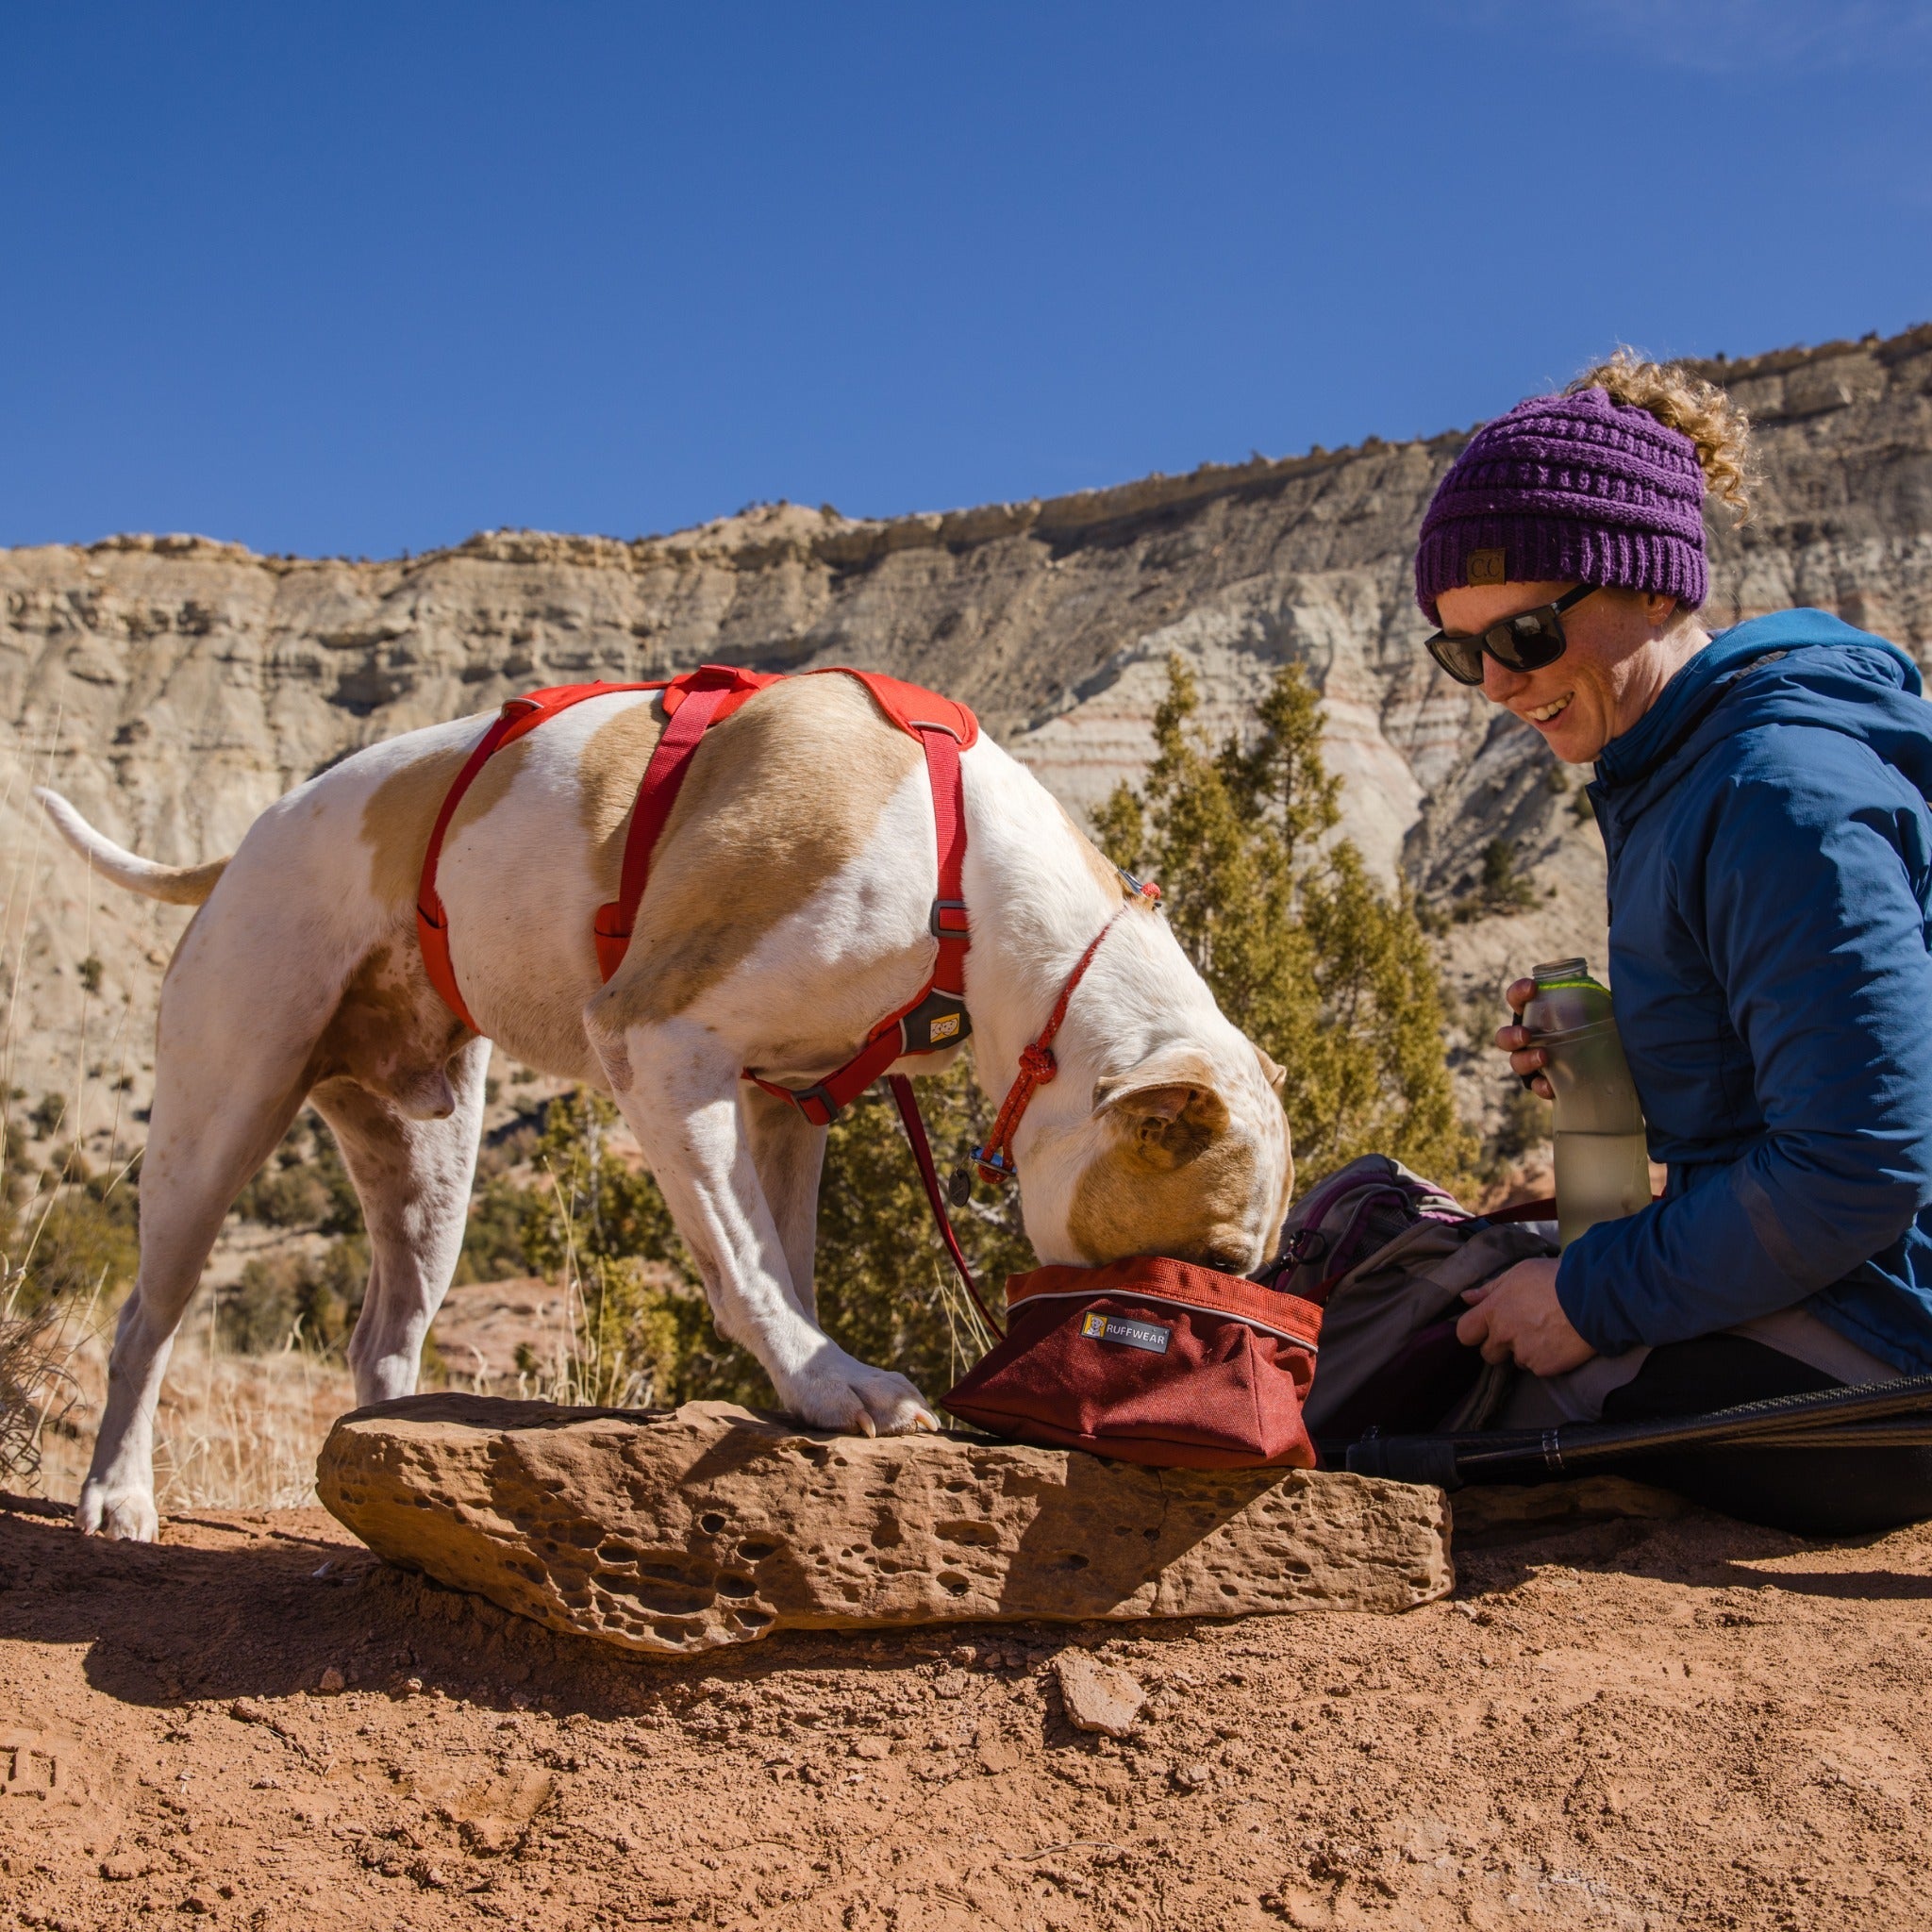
(935, 1017)
(518, 716)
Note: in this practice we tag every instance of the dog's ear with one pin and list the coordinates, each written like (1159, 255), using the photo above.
(1276, 1075)
(1169, 1106)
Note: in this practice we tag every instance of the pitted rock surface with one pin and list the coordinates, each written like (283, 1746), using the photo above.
(680, 1531)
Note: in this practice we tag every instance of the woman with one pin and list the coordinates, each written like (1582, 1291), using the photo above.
(1761, 796)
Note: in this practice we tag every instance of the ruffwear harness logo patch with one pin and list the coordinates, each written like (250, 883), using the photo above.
(1147, 1335)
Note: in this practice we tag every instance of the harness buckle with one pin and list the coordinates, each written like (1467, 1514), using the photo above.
(943, 927)
(815, 1104)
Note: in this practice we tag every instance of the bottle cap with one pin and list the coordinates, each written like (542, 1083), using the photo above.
(1562, 969)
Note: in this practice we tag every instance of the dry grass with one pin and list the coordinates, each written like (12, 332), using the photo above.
(232, 1432)
(37, 1392)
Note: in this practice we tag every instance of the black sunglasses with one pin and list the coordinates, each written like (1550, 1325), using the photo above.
(1527, 641)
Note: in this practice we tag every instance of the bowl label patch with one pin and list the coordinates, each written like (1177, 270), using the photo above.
(1147, 1335)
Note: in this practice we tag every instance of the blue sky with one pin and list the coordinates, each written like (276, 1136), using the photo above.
(356, 279)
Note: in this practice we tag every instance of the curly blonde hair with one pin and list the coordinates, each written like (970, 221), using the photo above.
(1701, 410)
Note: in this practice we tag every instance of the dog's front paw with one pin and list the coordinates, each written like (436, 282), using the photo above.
(838, 1391)
(121, 1512)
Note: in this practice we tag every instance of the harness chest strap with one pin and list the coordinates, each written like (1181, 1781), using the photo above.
(935, 1017)
(518, 716)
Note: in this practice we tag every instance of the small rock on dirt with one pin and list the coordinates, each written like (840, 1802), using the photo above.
(1099, 1697)
(333, 1680)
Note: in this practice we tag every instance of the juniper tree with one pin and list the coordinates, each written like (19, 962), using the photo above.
(1328, 973)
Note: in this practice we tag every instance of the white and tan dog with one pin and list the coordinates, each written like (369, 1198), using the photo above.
(787, 912)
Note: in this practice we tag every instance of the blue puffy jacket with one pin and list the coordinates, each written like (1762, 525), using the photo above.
(1771, 896)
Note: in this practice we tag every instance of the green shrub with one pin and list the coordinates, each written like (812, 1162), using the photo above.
(494, 1241)
(285, 1197)
(311, 1301)
(75, 1241)
(885, 1288)
(304, 1184)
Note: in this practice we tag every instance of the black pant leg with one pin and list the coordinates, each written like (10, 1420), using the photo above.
(1808, 1492)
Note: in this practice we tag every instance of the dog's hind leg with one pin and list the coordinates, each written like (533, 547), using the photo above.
(217, 1116)
(413, 1178)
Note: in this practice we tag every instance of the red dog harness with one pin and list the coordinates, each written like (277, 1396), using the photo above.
(935, 1018)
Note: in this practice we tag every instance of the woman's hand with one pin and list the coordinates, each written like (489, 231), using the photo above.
(1516, 1317)
(1514, 1041)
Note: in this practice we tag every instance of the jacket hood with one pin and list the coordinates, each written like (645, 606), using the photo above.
(1824, 674)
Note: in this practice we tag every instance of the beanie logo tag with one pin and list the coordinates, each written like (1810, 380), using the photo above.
(1486, 567)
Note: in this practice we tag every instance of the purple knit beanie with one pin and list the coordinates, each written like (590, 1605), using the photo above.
(1576, 489)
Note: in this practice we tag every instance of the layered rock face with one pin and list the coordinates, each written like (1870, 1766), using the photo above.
(681, 1531)
(173, 687)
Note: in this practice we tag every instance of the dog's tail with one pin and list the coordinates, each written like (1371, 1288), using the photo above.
(179, 885)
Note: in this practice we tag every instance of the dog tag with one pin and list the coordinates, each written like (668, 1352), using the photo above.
(960, 1188)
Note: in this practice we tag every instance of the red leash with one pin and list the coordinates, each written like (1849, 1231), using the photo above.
(994, 1160)
(921, 1152)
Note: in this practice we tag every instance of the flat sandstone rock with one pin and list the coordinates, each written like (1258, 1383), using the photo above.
(678, 1531)
(1099, 1697)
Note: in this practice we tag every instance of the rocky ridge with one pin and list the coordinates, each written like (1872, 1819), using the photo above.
(174, 686)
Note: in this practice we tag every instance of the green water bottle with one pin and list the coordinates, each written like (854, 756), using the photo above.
(1603, 1168)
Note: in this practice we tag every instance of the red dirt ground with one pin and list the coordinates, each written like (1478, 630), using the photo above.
(1621, 1723)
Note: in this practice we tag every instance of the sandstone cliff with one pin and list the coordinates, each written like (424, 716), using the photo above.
(174, 686)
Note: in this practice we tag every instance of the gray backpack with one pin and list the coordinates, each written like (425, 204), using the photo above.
(1386, 1255)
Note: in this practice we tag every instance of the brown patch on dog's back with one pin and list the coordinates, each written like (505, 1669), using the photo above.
(612, 768)
(1183, 1188)
(401, 812)
(397, 819)
(779, 798)
(490, 787)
